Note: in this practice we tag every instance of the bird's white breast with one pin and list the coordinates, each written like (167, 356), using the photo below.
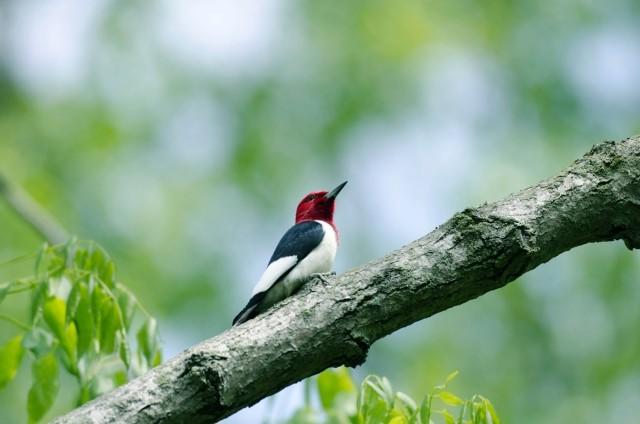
(318, 260)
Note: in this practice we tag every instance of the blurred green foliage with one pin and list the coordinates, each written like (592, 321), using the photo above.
(80, 319)
(376, 403)
(180, 135)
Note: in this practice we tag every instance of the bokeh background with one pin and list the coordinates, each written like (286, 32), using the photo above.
(181, 134)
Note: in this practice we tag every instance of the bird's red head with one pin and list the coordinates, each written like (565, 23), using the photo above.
(318, 205)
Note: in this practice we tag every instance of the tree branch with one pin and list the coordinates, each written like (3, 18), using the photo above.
(480, 249)
(32, 213)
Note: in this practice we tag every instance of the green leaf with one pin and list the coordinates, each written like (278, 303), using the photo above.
(5, 289)
(478, 414)
(125, 353)
(332, 384)
(84, 320)
(110, 323)
(407, 403)
(490, 411)
(373, 388)
(107, 274)
(80, 258)
(108, 318)
(10, 358)
(37, 299)
(147, 338)
(73, 300)
(97, 259)
(451, 376)
(119, 378)
(373, 405)
(127, 303)
(450, 399)
(388, 390)
(44, 387)
(70, 346)
(54, 312)
(85, 394)
(425, 409)
(448, 418)
(157, 358)
(43, 250)
(399, 419)
(98, 297)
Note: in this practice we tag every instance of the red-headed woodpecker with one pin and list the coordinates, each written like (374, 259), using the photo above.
(307, 248)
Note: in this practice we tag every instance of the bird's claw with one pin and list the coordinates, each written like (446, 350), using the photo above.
(324, 276)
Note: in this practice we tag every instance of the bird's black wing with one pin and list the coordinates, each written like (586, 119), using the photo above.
(299, 240)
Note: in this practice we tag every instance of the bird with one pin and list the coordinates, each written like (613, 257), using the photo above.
(307, 249)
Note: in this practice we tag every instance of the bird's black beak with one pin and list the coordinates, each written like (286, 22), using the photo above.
(333, 193)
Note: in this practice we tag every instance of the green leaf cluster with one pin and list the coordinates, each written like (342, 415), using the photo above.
(376, 402)
(81, 320)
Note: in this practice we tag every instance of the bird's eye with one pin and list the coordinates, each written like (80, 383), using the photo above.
(310, 197)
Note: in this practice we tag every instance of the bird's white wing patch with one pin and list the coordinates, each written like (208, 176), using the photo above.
(273, 272)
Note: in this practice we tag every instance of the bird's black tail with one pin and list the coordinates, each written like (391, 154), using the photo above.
(245, 314)
(249, 311)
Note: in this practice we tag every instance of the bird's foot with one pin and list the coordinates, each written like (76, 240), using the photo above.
(324, 276)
